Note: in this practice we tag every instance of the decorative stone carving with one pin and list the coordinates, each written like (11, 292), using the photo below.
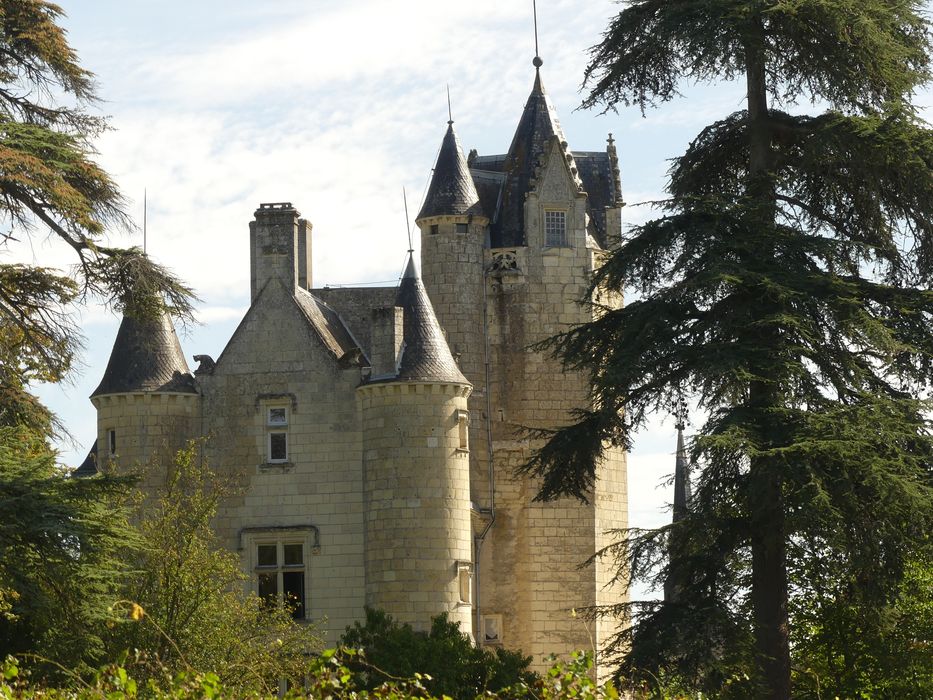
(504, 260)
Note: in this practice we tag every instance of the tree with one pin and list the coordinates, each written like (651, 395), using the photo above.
(61, 541)
(786, 289)
(185, 601)
(49, 182)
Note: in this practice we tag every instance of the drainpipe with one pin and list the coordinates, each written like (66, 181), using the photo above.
(490, 510)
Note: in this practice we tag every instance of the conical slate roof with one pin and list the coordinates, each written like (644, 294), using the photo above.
(146, 356)
(537, 125)
(452, 191)
(425, 354)
(89, 466)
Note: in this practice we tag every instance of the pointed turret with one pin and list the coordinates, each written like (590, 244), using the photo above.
(425, 353)
(146, 357)
(536, 127)
(452, 192)
(147, 402)
(416, 466)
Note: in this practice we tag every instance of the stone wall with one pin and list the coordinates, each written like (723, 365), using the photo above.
(149, 429)
(275, 360)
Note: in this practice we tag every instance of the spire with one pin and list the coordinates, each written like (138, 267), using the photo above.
(425, 354)
(681, 477)
(452, 192)
(535, 128)
(146, 356)
(672, 586)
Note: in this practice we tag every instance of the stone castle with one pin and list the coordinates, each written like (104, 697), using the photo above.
(376, 431)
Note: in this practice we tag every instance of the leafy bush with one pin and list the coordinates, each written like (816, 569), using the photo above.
(326, 676)
(455, 666)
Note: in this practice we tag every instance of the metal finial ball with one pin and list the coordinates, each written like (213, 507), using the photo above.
(537, 62)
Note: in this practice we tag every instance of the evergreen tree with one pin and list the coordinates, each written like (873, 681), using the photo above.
(63, 547)
(786, 288)
(50, 184)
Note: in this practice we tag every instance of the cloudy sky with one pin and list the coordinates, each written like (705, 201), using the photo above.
(217, 106)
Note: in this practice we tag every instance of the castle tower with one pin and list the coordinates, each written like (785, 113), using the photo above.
(453, 231)
(147, 403)
(552, 213)
(415, 466)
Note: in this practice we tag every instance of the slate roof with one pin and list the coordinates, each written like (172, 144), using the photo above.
(503, 180)
(451, 191)
(327, 324)
(146, 356)
(536, 126)
(595, 169)
(89, 465)
(425, 354)
(355, 306)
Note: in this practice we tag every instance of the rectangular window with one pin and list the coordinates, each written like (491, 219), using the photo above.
(555, 229)
(462, 228)
(433, 229)
(463, 428)
(280, 575)
(277, 434)
(112, 442)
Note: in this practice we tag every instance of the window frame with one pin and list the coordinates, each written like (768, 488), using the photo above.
(281, 540)
(563, 240)
(276, 427)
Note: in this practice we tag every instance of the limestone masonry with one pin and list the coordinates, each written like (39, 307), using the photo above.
(375, 431)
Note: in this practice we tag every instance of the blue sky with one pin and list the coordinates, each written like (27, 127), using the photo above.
(218, 106)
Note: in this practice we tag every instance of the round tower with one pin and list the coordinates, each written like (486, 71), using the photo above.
(416, 479)
(147, 402)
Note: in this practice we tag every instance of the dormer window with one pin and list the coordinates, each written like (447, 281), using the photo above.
(555, 228)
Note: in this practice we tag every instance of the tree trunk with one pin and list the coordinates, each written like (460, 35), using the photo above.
(769, 567)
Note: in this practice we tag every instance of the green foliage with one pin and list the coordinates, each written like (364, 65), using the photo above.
(186, 606)
(60, 546)
(785, 288)
(452, 665)
(326, 676)
(845, 648)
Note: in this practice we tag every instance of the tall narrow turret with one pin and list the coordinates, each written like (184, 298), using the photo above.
(416, 469)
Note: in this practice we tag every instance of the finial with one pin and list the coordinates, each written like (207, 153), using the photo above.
(679, 409)
(450, 113)
(411, 248)
(536, 62)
